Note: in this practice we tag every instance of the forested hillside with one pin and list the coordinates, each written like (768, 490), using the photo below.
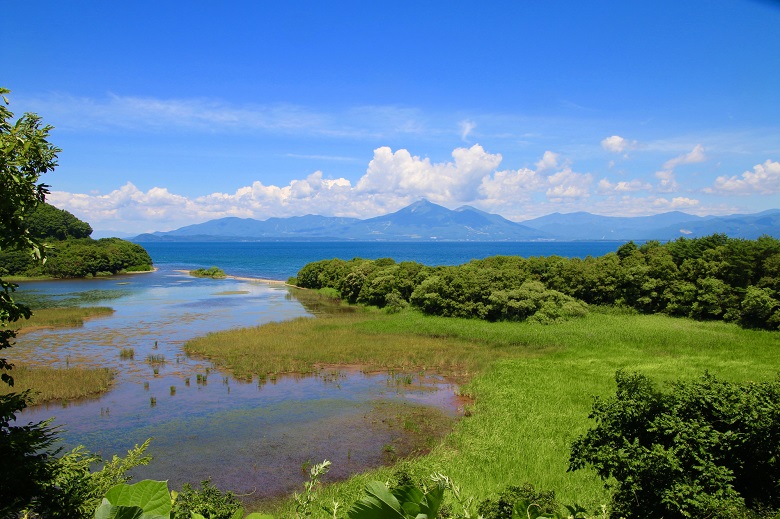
(70, 252)
(711, 278)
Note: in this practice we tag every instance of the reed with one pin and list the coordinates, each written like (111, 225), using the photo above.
(61, 317)
(50, 384)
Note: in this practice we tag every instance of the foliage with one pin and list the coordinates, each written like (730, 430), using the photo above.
(504, 505)
(26, 450)
(213, 272)
(144, 500)
(46, 221)
(209, 501)
(304, 502)
(708, 448)
(401, 502)
(70, 252)
(76, 490)
(28, 458)
(150, 499)
(711, 278)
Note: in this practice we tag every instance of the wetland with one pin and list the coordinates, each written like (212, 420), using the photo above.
(251, 433)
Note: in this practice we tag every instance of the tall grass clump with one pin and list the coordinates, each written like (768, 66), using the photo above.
(51, 384)
(67, 317)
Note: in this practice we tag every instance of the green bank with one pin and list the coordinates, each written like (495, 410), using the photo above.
(532, 385)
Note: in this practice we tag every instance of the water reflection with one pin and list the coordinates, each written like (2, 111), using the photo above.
(251, 436)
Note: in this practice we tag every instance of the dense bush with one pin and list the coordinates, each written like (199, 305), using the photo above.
(707, 448)
(715, 277)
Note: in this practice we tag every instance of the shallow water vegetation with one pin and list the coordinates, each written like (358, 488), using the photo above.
(49, 384)
(62, 317)
(212, 272)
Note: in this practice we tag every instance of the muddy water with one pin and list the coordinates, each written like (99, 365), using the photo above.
(253, 437)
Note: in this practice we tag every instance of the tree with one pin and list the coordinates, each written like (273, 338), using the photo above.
(25, 154)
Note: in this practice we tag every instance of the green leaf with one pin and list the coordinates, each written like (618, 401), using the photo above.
(379, 504)
(151, 496)
(108, 511)
(256, 515)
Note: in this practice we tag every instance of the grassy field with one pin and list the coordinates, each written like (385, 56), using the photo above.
(53, 384)
(61, 317)
(533, 385)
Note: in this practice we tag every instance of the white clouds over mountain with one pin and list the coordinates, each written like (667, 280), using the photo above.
(394, 179)
(763, 180)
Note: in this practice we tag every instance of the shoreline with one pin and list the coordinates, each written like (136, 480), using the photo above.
(245, 278)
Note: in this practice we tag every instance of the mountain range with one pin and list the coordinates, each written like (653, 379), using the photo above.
(426, 221)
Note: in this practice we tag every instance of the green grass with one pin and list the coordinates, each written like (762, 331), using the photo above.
(51, 384)
(61, 317)
(533, 385)
(213, 272)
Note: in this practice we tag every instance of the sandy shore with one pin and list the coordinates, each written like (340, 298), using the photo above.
(241, 278)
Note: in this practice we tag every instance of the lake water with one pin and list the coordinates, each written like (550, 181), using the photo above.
(252, 437)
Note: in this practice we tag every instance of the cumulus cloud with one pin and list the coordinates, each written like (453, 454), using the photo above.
(402, 174)
(567, 185)
(763, 180)
(617, 144)
(392, 180)
(549, 161)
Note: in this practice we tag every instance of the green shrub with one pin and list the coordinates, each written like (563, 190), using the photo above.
(503, 507)
(209, 502)
(707, 448)
(212, 272)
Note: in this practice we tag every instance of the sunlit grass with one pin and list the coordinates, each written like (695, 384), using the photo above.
(60, 317)
(533, 385)
(303, 344)
(53, 384)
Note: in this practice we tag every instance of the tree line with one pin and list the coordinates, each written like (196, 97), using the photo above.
(70, 251)
(709, 278)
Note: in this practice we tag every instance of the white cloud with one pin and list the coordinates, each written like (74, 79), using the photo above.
(607, 187)
(567, 184)
(667, 178)
(617, 144)
(405, 175)
(763, 180)
(675, 203)
(466, 127)
(549, 161)
(667, 181)
(394, 179)
(515, 185)
(696, 155)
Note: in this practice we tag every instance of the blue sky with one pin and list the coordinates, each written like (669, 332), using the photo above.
(172, 113)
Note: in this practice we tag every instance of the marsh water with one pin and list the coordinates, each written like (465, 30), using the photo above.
(253, 437)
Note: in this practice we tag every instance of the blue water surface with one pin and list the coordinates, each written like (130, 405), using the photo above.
(281, 260)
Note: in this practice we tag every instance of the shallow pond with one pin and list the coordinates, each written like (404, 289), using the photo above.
(253, 437)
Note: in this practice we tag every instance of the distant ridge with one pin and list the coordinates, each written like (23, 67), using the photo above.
(426, 221)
